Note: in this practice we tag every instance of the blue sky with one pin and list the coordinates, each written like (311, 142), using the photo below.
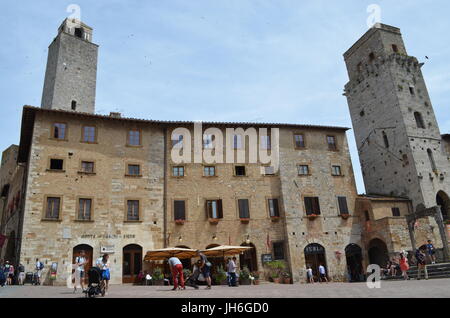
(222, 60)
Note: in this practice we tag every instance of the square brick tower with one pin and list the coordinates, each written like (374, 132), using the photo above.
(71, 75)
(400, 146)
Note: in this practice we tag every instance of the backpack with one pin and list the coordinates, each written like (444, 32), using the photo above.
(41, 266)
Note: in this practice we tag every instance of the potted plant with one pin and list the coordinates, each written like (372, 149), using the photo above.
(220, 278)
(158, 277)
(275, 277)
(255, 276)
(244, 276)
(276, 267)
(180, 221)
(286, 277)
(245, 220)
(213, 221)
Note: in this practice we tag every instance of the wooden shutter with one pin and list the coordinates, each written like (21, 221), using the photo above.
(179, 210)
(309, 206)
(343, 208)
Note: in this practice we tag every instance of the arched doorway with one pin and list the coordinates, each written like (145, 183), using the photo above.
(314, 257)
(443, 201)
(248, 258)
(131, 263)
(378, 252)
(353, 254)
(89, 253)
(187, 264)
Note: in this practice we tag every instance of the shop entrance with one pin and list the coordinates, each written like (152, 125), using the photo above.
(132, 263)
(353, 254)
(89, 253)
(314, 257)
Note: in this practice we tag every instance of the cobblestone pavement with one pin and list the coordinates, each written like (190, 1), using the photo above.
(438, 288)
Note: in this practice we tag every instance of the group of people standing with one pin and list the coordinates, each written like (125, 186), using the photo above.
(9, 275)
(394, 266)
(80, 270)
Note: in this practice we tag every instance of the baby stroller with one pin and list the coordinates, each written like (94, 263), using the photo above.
(96, 284)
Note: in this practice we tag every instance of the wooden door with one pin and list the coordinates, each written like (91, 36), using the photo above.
(89, 253)
(132, 263)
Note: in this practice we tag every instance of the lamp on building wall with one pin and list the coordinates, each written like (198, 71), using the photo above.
(180, 239)
(214, 237)
(247, 241)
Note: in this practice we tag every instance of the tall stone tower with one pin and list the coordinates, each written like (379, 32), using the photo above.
(400, 146)
(71, 75)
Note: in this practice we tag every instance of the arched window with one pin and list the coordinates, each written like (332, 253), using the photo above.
(79, 33)
(386, 140)
(431, 158)
(419, 120)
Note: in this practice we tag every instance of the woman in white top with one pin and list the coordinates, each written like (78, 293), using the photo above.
(309, 274)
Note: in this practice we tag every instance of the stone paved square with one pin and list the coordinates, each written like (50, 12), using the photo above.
(438, 288)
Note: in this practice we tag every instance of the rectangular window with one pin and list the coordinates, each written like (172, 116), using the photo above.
(395, 212)
(278, 250)
(336, 170)
(303, 170)
(178, 171)
(273, 208)
(312, 205)
(411, 91)
(244, 212)
(367, 215)
(133, 210)
(331, 140)
(59, 131)
(265, 142)
(214, 209)
(134, 137)
(84, 209)
(89, 134)
(299, 141)
(395, 48)
(87, 166)
(371, 57)
(56, 164)
(209, 171)
(134, 170)
(343, 208)
(53, 208)
(207, 141)
(179, 210)
(239, 171)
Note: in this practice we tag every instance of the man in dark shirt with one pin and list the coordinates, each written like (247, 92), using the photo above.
(205, 268)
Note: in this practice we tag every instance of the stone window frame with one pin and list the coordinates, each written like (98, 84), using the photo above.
(245, 168)
(127, 174)
(209, 166)
(336, 147)
(140, 219)
(238, 212)
(177, 166)
(77, 212)
(206, 210)
(297, 133)
(45, 206)
(83, 134)
(186, 201)
(80, 167)
(280, 209)
(66, 131)
(309, 170)
(339, 207)
(129, 130)
(283, 244)
(340, 170)
(304, 204)
(50, 158)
